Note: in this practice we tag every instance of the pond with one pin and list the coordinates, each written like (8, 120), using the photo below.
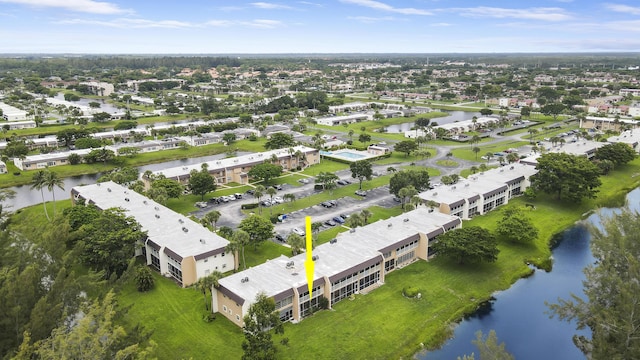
(519, 314)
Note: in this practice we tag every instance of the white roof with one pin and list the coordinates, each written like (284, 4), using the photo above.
(55, 156)
(167, 229)
(179, 171)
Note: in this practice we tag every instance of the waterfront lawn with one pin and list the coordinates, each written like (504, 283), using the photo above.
(466, 152)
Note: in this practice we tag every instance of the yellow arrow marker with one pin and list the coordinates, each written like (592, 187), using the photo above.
(309, 264)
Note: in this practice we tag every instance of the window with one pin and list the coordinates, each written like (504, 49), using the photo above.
(224, 307)
(237, 317)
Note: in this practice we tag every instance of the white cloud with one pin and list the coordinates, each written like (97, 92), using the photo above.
(270, 6)
(265, 24)
(441, 24)
(310, 3)
(371, 20)
(623, 8)
(86, 6)
(384, 7)
(546, 14)
(126, 23)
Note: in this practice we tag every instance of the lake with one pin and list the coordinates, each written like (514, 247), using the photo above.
(518, 314)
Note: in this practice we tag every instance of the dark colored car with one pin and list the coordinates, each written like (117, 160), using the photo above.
(338, 219)
(277, 187)
(280, 237)
(251, 191)
(330, 223)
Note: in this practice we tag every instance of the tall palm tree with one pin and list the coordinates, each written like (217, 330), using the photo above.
(238, 241)
(366, 214)
(271, 192)
(37, 183)
(51, 181)
(258, 194)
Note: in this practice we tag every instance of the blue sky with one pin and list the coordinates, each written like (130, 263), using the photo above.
(340, 26)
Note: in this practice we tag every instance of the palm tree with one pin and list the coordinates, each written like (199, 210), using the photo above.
(238, 241)
(296, 242)
(476, 150)
(211, 218)
(203, 284)
(315, 229)
(38, 184)
(258, 194)
(366, 214)
(290, 197)
(51, 180)
(531, 133)
(355, 220)
(271, 192)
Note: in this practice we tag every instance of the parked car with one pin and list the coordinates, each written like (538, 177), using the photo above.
(298, 231)
(213, 201)
(361, 193)
(303, 181)
(338, 219)
(231, 197)
(223, 199)
(278, 200)
(201, 204)
(237, 195)
(265, 203)
(280, 238)
(344, 216)
(277, 186)
(396, 199)
(251, 191)
(326, 204)
(330, 223)
(342, 182)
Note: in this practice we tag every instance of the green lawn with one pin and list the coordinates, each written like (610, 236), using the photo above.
(467, 154)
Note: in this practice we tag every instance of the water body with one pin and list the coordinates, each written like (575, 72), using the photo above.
(104, 106)
(518, 314)
(25, 196)
(451, 118)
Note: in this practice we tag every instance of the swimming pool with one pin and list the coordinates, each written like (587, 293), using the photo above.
(348, 155)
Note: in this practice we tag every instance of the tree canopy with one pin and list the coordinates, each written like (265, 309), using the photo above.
(611, 288)
(361, 170)
(406, 146)
(201, 182)
(258, 228)
(265, 172)
(468, 244)
(570, 177)
(515, 226)
(279, 141)
(260, 320)
(618, 153)
(108, 241)
(419, 179)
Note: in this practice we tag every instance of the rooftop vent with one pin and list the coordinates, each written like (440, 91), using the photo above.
(244, 280)
(435, 194)
(467, 184)
(290, 264)
(126, 199)
(389, 225)
(315, 257)
(352, 230)
(333, 241)
(157, 216)
(511, 168)
(405, 219)
(453, 187)
(109, 189)
(181, 221)
(185, 229)
(157, 208)
(202, 241)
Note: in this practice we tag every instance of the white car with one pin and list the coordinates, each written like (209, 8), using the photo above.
(297, 231)
(278, 199)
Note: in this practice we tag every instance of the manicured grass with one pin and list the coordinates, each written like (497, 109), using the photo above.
(447, 163)
(467, 154)
(325, 165)
(397, 158)
(175, 315)
(266, 251)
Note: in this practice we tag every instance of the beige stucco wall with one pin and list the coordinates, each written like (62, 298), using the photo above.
(189, 275)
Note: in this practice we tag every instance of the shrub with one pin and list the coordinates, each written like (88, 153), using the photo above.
(323, 303)
(274, 218)
(410, 291)
(16, 173)
(249, 206)
(144, 278)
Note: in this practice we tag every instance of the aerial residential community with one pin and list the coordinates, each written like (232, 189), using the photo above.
(287, 199)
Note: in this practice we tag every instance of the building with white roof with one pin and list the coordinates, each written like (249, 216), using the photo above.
(176, 246)
(459, 127)
(235, 169)
(586, 148)
(482, 192)
(354, 262)
(11, 113)
(41, 161)
(345, 119)
(630, 137)
(17, 125)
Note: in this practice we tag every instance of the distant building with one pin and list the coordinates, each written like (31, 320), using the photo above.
(176, 246)
(41, 161)
(346, 119)
(99, 88)
(10, 113)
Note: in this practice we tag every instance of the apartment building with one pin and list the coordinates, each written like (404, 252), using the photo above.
(41, 161)
(176, 246)
(355, 262)
(235, 169)
(480, 193)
